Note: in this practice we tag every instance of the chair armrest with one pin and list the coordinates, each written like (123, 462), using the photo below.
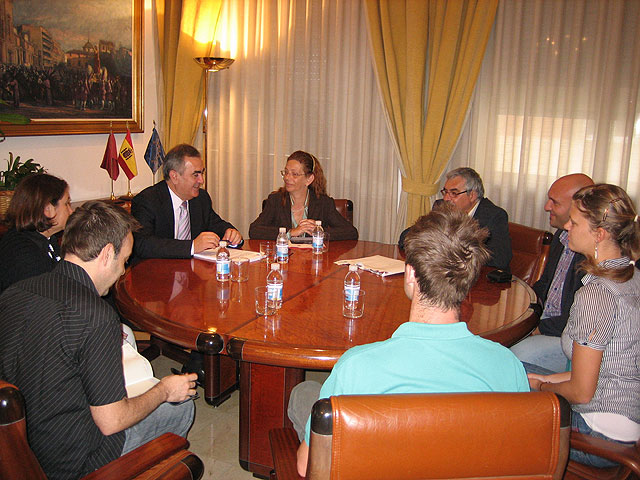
(141, 459)
(627, 455)
(284, 448)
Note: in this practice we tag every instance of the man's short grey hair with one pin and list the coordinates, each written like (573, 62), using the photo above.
(174, 159)
(472, 180)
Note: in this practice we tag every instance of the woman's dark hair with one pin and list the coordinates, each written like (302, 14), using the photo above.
(610, 208)
(32, 195)
(310, 164)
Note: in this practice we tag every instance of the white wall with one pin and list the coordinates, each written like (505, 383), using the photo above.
(77, 158)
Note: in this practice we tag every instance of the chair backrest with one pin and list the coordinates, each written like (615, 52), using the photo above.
(429, 436)
(345, 208)
(530, 248)
(16, 457)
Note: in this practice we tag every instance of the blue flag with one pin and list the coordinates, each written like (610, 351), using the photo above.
(154, 154)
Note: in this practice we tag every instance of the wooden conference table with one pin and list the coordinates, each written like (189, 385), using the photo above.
(180, 301)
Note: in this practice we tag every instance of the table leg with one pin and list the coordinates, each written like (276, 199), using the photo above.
(264, 397)
(221, 378)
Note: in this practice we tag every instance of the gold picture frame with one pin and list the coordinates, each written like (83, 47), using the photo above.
(93, 97)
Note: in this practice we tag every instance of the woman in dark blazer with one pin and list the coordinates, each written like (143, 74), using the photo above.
(39, 210)
(300, 202)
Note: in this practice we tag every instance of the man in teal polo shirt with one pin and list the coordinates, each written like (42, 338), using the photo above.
(434, 351)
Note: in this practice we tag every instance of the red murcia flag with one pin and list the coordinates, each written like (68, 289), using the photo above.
(110, 159)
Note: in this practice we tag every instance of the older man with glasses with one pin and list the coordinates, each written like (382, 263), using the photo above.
(464, 190)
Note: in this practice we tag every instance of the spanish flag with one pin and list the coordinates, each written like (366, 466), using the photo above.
(127, 157)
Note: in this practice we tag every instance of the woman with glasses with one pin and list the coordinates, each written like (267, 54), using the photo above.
(300, 202)
(38, 211)
(602, 335)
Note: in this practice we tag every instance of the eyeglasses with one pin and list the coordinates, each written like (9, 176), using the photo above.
(284, 173)
(453, 193)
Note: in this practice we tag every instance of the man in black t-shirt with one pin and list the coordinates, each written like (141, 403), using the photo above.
(60, 344)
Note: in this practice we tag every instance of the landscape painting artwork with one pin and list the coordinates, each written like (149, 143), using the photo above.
(71, 66)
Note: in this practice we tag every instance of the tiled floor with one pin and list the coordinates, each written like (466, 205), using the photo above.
(214, 435)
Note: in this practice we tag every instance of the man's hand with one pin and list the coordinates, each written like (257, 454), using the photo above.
(117, 416)
(204, 241)
(306, 225)
(179, 387)
(232, 236)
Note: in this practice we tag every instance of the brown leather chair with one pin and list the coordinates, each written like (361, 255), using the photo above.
(165, 457)
(429, 436)
(530, 248)
(345, 208)
(627, 456)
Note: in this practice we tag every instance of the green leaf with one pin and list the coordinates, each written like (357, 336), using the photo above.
(14, 118)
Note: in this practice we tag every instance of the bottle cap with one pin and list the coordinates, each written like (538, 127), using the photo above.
(275, 266)
(318, 222)
(353, 268)
(283, 229)
(223, 243)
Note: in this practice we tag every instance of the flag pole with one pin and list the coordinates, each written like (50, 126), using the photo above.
(113, 196)
(129, 194)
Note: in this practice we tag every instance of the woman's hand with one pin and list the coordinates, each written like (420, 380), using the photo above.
(536, 380)
(305, 226)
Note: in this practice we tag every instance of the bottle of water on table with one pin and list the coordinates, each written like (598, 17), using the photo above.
(274, 286)
(351, 291)
(222, 263)
(282, 246)
(317, 236)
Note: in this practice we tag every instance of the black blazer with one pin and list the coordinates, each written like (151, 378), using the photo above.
(554, 326)
(153, 209)
(496, 220)
(275, 215)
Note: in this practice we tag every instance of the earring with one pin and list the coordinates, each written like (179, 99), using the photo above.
(596, 255)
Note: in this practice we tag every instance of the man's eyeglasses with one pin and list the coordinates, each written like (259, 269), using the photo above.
(453, 193)
(284, 173)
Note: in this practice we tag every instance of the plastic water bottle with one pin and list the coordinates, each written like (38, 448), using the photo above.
(282, 246)
(317, 238)
(222, 263)
(351, 287)
(274, 286)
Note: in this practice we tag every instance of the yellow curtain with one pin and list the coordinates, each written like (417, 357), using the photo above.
(186, 29)
(447, 39)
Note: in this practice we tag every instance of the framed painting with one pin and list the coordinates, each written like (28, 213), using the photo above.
(71, 66)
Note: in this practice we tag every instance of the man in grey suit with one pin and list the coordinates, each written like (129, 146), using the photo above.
(464, 189)
(559, 282)
(159, 207)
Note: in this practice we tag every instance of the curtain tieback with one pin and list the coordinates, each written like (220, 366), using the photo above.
(419, 188)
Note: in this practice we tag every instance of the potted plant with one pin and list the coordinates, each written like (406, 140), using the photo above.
(9, 178)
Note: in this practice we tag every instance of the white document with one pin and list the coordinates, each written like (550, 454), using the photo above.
(377, 264)
(138, 373)
(210, 255)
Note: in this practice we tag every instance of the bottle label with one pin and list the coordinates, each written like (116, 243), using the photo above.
(351, 293)
(318, 240)
(282, 251)
(222, 267)
(274, 292)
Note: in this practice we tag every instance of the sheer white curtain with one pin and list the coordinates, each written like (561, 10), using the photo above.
(303, 79)
(558, 93)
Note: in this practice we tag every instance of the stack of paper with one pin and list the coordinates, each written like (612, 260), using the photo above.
(377, 264)
(210, 255)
